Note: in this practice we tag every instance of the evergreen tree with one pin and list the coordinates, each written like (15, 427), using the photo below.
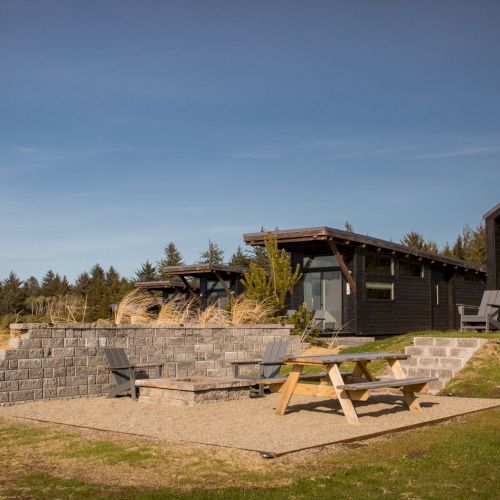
(260, 258)
(12, 295)
(31, 287)
(447, 251)
(431, 246)
(348, 227)
(212, 255)
(458, 248)
(275, 285)
(53, 285)
(147, 272)
(413, 240)
(96, 301)
(240, 258)
(171, 257)
(83, 284)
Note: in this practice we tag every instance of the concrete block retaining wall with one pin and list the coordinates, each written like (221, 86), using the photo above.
(439, 357)
(67, 360)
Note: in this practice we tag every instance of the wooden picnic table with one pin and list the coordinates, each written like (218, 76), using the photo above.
(352, 386)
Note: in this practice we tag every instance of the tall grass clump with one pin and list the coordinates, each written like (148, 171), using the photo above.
(178, 312)
(245, 310)
(138, 307)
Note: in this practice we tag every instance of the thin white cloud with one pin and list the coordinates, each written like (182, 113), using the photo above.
(468, 151)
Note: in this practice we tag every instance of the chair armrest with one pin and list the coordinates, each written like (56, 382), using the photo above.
(236, 365)
(247, 362)
(147, 365)
(271, 363)
(468, 305)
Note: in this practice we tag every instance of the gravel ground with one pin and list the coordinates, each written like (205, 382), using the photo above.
(249, 424)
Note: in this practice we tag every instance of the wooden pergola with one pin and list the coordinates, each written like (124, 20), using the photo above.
(210, 277)
(169, 288)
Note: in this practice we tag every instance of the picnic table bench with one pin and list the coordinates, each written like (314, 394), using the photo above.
(352, 386)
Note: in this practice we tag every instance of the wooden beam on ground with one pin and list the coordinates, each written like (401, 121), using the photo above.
(343, 265)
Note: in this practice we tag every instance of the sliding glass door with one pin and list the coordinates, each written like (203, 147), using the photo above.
(323, 291)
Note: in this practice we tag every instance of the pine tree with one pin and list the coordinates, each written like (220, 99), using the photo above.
(240, 258)
(413, 240)
(348, 227)
(172, 257)
(147, 272)
(53, 285)
(458, 248)
(212, 255)
(275, 285)
(12, 295)
(31, 286)
(83, 284)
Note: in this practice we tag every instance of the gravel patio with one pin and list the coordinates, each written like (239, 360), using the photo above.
(248, 424)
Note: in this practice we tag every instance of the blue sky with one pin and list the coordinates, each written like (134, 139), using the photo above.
(128, 124)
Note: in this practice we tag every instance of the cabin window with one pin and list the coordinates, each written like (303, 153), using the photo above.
(379, 264)
(436, 295)
(320, 261)
(411, 269)
(377, 290)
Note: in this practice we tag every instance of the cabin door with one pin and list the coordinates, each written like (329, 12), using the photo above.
(323, 291)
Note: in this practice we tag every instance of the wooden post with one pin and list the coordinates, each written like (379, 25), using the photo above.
(288, 390)
(343, 396)
(343, 265)
(223, 283)
(408, 395)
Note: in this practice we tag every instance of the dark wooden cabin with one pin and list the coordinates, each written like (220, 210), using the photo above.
(376, 287)
(217, 282)
(492, 223)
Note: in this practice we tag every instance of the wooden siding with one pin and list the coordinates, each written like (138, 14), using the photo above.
(414, 306)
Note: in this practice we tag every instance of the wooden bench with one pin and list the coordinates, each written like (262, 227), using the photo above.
(360, 391)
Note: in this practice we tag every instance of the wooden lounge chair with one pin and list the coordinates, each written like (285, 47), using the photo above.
(125, 372)
(486, 317)
(269, 366)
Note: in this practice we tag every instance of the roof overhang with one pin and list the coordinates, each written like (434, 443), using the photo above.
(206, 270)
(493, 213)
(316, 239)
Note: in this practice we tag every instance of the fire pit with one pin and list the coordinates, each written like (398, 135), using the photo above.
(192, 391)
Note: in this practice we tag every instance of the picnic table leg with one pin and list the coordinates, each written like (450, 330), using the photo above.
(361, 369)
(291, 383)
(409, 396)
(343, 396)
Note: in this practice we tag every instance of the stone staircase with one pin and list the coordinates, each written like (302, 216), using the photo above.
(439, 357)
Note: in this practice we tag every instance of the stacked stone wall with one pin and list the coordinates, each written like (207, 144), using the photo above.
(67, 360)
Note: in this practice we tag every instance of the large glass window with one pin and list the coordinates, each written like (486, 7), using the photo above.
(379, 264)
(320, 261)
(379, 291)
(411, 269)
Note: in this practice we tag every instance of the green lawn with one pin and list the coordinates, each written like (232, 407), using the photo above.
(458, 459)
(480, 378)
(397, 343)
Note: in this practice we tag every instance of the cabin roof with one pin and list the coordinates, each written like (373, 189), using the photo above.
(164, 285)
(316, 237)
(493, 213)
(205, 269)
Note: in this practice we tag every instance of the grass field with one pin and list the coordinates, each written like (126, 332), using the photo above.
(457, 459)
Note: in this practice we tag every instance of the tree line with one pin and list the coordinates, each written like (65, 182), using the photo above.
(93, 292)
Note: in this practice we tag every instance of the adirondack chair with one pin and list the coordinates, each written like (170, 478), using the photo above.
(269, 366)
(125, 372)
(486, 316)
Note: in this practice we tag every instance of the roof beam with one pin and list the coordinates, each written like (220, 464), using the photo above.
(342, 264)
